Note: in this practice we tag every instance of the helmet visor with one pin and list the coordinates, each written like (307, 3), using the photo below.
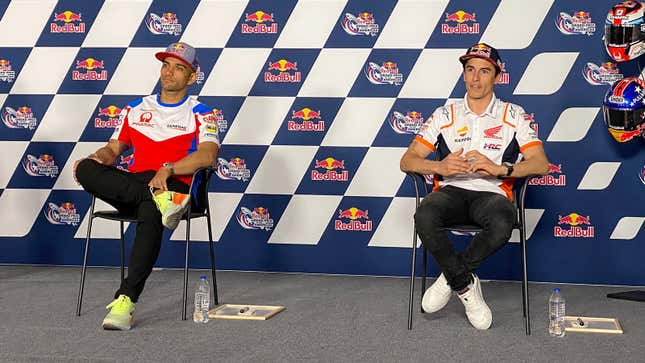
(626, 120)
(619, 35)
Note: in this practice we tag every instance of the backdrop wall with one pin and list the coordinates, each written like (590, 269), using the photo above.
(316, 102)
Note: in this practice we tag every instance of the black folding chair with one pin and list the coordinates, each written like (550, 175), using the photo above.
(198, 191)
(419, 185)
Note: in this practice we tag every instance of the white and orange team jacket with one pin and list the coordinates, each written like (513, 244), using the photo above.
(161, 132)
(501, 133)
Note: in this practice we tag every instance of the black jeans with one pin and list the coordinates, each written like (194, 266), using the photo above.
(129, 193)
(451, 206)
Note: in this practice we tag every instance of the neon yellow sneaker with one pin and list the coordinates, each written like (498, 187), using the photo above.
(172, 206)
(121, 315)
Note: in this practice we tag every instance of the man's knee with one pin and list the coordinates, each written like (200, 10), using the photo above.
(500, 230)
(85, 171)
(147, 212)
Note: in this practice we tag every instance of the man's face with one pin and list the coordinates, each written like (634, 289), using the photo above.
(480, 78)
(176, 75)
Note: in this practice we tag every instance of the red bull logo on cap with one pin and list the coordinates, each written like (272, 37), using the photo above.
(166, 23)
(256, 218)
(353, 219)
(330, 165)
(579, 226)
(408, 123)
(88, 67)
(263, 23)
(361, 24)
(306, 119)
(64, 214)
(107, 117)
(67, 22)
(7, 74)
(283, 67)
(461, 18)
(554, 178)
(22, 117)
(578, 23)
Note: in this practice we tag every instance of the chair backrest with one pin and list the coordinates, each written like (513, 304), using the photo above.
(199, 186)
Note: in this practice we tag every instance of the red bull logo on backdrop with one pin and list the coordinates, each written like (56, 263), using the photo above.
(408, 123)
(235, 169)
(43, 165)
(573, 225)
(305, 119)
(578, 23)
(362, 24)
(107, 117)
(67, 22)
(258, 218)
(605, 74)
(330, 174)
(89, 69)
(166, 23)
(62, 214)
(260, 23)
(7, 74)
(353, 219)
(388, 73)
(504, 77)
(460, 22)
(554, 178)
(22, 117)
(641, 175)
(287, 72)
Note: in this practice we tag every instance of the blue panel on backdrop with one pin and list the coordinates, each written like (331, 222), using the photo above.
(164, 23)
(92, 70)
(69, 23)
(331, 170)
(384, 73)
(404, 121)
(105, 118)
(40, 165)
(308, 121)
(360, 24)
(462, 24)
(284, 72)
(260, 24)
(236, 166)
(225, 109)
(11, 62)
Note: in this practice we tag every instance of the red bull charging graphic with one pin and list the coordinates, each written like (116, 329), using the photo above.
(89, 69)
(573, 225)
(330, 172)
(259, 22)
(257, 218)
(67, 22)
(361, 24)
(353, 219)
(19, 118)
(460, 22)
(306, 120)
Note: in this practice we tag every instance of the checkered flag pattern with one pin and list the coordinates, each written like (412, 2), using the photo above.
(316, 101)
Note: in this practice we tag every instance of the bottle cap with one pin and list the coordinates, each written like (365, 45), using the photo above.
(557, 289)
(203, 277)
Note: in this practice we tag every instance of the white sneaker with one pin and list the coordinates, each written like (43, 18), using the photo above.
(436, 296)
(478, 312)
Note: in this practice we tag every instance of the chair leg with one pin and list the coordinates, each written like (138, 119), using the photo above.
(412, 278)
(425, 273)
(212, 255)
(185, 297)
(122, 253)
(84, 268)
(525, 284)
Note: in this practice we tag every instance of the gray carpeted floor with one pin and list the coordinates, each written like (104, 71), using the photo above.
(328, 319)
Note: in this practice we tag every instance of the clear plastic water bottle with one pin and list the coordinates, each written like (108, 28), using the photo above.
(202, 301)
(556, 314)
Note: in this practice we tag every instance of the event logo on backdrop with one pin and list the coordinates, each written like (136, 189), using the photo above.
(234, 169)
(43, 165)
(410, 123)
(22, 117)
(7, 74)
(363, 24)
(257, 218)
(64, 214)
(577, 23)
(604, 74)
(387, 73)
(167, 23)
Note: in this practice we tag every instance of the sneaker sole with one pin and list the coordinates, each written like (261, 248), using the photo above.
(113, 326)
